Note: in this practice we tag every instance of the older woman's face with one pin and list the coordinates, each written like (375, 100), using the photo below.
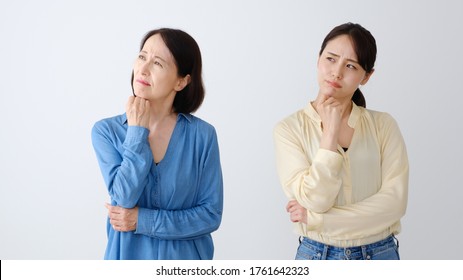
(339, 73)
(155, 72)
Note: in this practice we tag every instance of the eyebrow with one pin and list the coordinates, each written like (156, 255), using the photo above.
(348, 59)
(156, 56)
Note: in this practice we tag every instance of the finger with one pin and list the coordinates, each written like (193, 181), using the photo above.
(135, 102)
(293, 208)
(290, 204)
(326, 100)
(324, 97)
(289, 207)
(130, 101)
(140, 102)
(332, 102)
(115, 222)
(115, 210)
(114, 216)
(147, 105)
(295, 218)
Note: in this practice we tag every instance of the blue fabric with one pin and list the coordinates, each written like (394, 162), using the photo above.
(180, 199)
(385, 249)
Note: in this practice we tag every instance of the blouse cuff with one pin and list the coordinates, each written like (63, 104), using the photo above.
(145, 220)
(136, 134)
(332, 160)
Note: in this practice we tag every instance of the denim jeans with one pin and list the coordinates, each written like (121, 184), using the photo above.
(386, 249)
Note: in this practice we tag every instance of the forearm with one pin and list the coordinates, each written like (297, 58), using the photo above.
(125, 174)
(314, 186)
(178, 224)
(369, 216)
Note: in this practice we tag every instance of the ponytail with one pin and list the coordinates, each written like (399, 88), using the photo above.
(359, 99)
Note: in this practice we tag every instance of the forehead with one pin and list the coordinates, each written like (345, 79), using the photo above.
(155, 46)
(341, 45)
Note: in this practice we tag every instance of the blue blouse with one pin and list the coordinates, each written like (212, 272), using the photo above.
(180, 199)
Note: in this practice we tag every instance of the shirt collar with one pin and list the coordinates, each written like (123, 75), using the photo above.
(187, 116)
(352, 121)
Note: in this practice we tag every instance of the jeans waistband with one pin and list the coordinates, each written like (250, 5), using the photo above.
(386, 249)
(371, 246)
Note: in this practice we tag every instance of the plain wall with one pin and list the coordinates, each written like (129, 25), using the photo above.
(66, 64)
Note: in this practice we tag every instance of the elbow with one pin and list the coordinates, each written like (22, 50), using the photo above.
(124, 196)
(401, 202)
(213, 220)
(321, 206)
(127, 201)
(316, 203)
(216, 220)
(402, 209)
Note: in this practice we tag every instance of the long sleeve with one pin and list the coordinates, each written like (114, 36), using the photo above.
(313, 181)
(352, 197)
(179, 199)
(203, 218)
(382, 209)
(125, 174)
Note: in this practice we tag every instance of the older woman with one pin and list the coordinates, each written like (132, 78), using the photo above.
(161, 164)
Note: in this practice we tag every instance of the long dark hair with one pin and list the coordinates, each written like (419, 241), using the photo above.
(364, 46)
(187, 57)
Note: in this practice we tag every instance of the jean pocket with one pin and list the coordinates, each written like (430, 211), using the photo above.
(307, 253)
(389, 253)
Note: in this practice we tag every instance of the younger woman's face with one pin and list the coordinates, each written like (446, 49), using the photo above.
(339, 73)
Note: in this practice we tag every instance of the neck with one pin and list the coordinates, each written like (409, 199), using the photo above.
(347, 109)
(160, 113)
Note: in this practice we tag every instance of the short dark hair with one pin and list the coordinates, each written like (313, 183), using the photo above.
(364, 46)
(187, 58)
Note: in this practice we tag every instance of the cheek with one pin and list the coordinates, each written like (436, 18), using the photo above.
(357, 79)
(321, 72)
(322, 69)
(354, 82)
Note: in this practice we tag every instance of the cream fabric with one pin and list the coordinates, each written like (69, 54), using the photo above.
(352, 198)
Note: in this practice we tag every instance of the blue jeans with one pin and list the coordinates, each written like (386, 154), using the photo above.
(386, 249)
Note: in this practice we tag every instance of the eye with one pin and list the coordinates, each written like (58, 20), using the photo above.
(351, 66)
(329, 58)
(158, 63)
(142, 57)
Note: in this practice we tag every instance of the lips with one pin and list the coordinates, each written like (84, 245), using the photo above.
(334, 84)
(143, 82)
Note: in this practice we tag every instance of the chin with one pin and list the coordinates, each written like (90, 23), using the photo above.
(140, 93)
(329, 93)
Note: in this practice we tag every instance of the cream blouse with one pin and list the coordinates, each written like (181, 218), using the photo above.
(352, 198)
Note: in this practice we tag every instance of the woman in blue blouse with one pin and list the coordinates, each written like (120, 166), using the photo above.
(161, 164)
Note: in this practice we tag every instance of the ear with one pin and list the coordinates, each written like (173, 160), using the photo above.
(367, 77)
(182, 82)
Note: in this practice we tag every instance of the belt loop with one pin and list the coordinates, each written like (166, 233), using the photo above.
(300, 240)
(325, 252)
(364, 253)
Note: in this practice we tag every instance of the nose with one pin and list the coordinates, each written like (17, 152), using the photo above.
(336, 71)
(144, 68)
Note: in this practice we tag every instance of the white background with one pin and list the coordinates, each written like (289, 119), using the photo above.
(66, 64)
